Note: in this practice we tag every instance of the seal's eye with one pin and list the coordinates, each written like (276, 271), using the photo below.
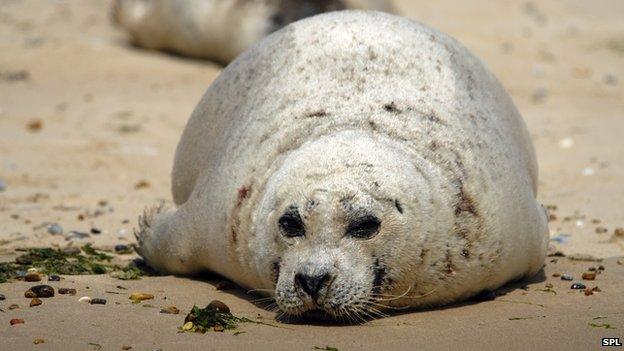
(364, 227)
(291, 224)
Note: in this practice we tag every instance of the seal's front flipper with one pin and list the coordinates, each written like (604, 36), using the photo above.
(162, 241)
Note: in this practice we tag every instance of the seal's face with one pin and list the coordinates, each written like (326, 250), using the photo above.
(341, 228)
(337, 253)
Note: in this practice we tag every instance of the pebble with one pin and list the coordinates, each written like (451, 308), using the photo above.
(589, 275)
(55, 229)
(96, 231)
(618, 233)
(85, 299)
(539, 95)
(122, 233)
(601, 230)
(32, 277)
(76, 235)
(610, 79)
(3, 185)
(35, 302)
(561, 238)
(588, 171)
(14, 306)
(566, 277)
(97, 301)
(43, 291)
(187, 326)
(566, 143)
(577, 286)
(601, 268)
(218, 328)
(122, 248)
(218, 306)
(556, 275)
(70, 250)
(38, 341)
(225, 285)
(67, 291)
(588, 292)
(2, 297)
(138, 296)
(170, 310)
(54, 278)
(15, 321)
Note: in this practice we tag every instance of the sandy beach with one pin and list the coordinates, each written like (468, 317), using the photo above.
(88, 129)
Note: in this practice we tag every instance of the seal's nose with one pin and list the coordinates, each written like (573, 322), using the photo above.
(311, 284)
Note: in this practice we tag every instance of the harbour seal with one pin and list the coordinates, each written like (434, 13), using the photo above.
(218, 29)
(351, 162)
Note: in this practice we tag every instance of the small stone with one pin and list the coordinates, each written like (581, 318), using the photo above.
(225, 285)
(588, 292)
(601, 230)
(76, 235)
(601, 268)
(566, 143)
(43, 291)
(97, 301)
(34, 125)
(618, 233)
(549, 286)
(32, 277)
(124, 347)
(589, 275)
(218, 328)
(596, 289)
(70, 250)
(85, 299)
(552, 217)
(14, 306)
(54, 278)
(123, 249)
(588, 172)
(38, 341)
(96, 231)
(2, 297)
(138, 296)
(556, 275)
(67, 291)
(591, 269)
(218, 306)
(15, 321)
(55, 229)
(170, 310)
(566, 277)
(3, 185)
(35, 302)
(577, 286)
(187, 326)
(610, 79)
(539, 95)
(141, 184)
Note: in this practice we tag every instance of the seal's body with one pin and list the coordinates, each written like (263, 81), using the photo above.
(218, 29)
(353, 160)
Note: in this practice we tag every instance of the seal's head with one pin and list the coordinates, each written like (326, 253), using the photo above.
(338, 213)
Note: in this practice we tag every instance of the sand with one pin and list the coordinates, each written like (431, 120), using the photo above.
(88, 127)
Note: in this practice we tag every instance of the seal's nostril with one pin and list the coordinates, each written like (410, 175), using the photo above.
(311, 284)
